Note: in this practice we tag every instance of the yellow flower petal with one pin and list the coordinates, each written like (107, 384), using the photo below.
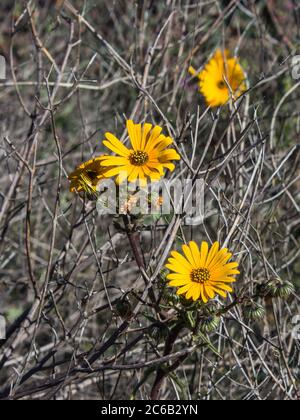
(183, 261)
(155, 133)
(132, 135)
(189, 256)
(116, 145)
(209, 291)
(204, 253)
(178, 283)
(224, 287)
(204, 296)
(218, 258)
(138, 135)
(146, 131)
(116, 171)
(163, 143)
(219, 291)
(134, 174)
(226, 279)
(192, 291)
(214, 250)
(177, 276)
(193, 71)
(115, 161)
(178, 268)
(122, 176)
(169, 166)
(184, 289)
(196, 292)
(196, 253)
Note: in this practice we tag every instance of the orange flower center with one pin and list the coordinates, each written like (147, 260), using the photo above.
(200, 275)
(222, 85)
(139, 158)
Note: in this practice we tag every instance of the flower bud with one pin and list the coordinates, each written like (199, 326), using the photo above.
(280, 289)
(209, 324)
(254, 311)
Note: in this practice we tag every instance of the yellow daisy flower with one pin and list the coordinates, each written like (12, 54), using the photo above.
(146, 159)
(201, 274)
(219, 73)
(87, 176)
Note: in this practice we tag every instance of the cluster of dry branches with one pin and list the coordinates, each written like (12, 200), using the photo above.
(82, 294)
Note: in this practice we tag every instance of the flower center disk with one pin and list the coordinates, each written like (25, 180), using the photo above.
(139, 158)
(200, 275)
(222, 84)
